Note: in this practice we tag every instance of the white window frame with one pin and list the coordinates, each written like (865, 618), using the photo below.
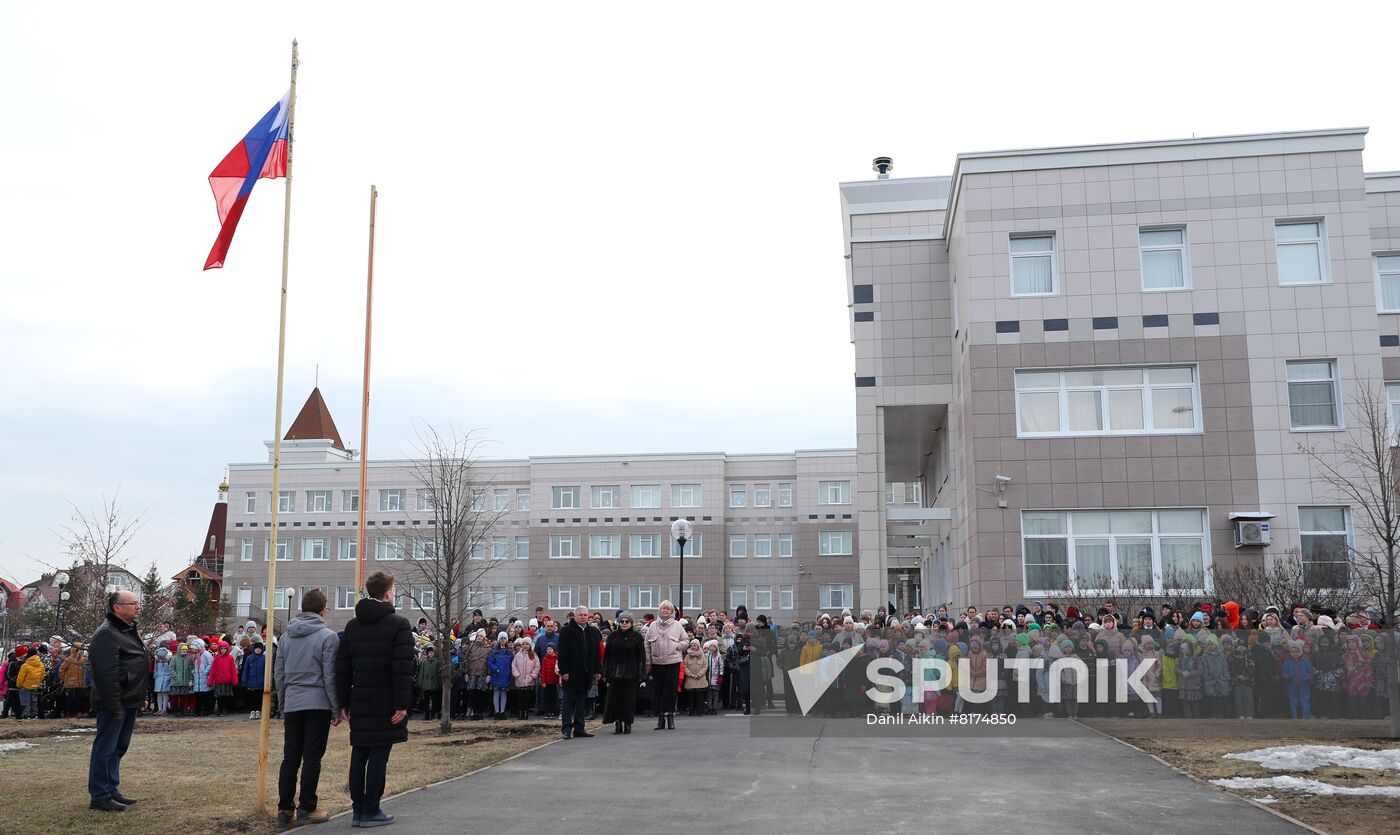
(286, 501)
(1334, 379)
(738, 495)
(477, 500)
(785, 494)
(388, 548)
(686, 495)
(604, 546)
(646, 496)
(522, 553)
(496, 598)
(424, 597)
(1053, 254)
(520, 597)
(1062, 390)
(1382, 273)
(250, 501)
(834, 543)
(391, 501)
(502, 496)
(738, 596)
(245, 551)
(500, 548)
(284, 549)
(601, 602)
(557, 549)
(1155, 537)
(827, 590)
(345, 598)
(758, 598)
(318, 501)
(637, 600)
(558, 595)
(762, 546)
(784, 545)
(1183, 249)
(785, 597)
(347, 548)
(424, 548)
(834, 492)
(423, 499)
(564, 497)
(605, 497)
(762, 495)
(349, 501)
(693, 599)
(1350, 540)
(522, 498)
(694, 547)
(1324, 271)
(639, 542)
(738, 546)
(315, 549)
(1392, 402)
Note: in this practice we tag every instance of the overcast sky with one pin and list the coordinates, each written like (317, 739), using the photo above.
(603, 227)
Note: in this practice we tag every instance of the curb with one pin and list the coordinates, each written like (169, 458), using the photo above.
(1275, 812)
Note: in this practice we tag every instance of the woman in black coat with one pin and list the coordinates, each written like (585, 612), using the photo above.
(624, 665)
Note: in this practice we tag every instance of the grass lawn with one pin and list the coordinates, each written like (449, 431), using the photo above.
(1198, 748)
(200, 775)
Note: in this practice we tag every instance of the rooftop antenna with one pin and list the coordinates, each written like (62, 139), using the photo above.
(882, 166)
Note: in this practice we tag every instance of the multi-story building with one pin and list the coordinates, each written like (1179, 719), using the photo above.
(774, 533)
(1098, 362)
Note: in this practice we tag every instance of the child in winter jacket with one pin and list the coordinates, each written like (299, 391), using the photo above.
(498, 667)
(549, 681)
(1297, 673)
(162, 681)
(30, 679)
(715, 662)
(525, 672)
(223, 677)
(1242, 679)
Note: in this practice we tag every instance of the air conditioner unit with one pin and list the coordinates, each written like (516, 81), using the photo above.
(1251, 532)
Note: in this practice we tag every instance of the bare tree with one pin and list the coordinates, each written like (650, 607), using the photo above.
(96, 543)
(1284, 579)
(1360, 469)
(454, 553)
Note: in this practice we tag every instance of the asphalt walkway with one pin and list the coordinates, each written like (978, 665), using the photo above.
(829, 779)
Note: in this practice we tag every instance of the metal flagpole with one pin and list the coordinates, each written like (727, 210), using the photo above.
(364, 403)
(265, 724)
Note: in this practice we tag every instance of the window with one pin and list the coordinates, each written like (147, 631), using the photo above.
(314, 550)
(685, 495)
(475, 597)
(692, 596)
(349, 548)
(606, 496)
(784, 544)
(388, 548)
(498, 598)
(1392, 399)
(318, 501)
(500, 548)
(502, 495)
(1387, 280)
(784, 495)
(478, 551)
(604, 546)
(738, 596)
(478, 501)
(522, 547)
(738, 495)
(693, 546)
(250, 502)
(1326, 539)
(646, 495)
(423, 597)
(565, 498)
(425, 549)
(762, 495)
(423, 499)
(1301, 251)
(563, 547)
(763, 598)
(1108, 401)
(345, 597)
(889, 492)
(785, 597)
(522, 597)
(350, 501)
(1033, 265)
(913, 492)
(762, 545)
(1139, 551)
(280, 598)
(836, 595)
(245, 552)
(643, 597)
(738, 546)
(644, 545)
(563, 597)
(390, 500)
(834, 543)
(1312, 394)
(286, 501)
(1165, 265)
(834, 492)
(522, 498)
(284, 550)
(604, 597)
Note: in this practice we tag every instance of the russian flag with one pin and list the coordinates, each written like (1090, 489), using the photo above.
(260, 154)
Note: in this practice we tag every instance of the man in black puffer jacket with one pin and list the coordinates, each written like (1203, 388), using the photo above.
(374, 685)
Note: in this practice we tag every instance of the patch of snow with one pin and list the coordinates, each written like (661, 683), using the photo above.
(78, 731)
(62, 738)
(1303, 784)
(1266, 799)
(6, 747)
(1308, 757)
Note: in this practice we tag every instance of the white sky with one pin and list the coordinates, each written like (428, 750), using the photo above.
(603, 228)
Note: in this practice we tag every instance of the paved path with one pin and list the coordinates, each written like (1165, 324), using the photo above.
(830, 783)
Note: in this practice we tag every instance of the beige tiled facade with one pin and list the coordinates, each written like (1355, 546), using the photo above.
(939, 334)
(528, 576)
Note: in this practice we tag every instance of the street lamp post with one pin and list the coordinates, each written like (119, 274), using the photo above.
(61, 579)
(291, 592)
(681, 531)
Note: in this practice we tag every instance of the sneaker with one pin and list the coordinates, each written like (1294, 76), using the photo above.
(377, 819)
(318, 816)
(250, 714)
(285, 817)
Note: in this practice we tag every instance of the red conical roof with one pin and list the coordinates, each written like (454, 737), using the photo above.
(314, 422)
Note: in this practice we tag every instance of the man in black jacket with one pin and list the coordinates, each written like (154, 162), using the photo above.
(374, 686)
(119, 671)
(578, 669)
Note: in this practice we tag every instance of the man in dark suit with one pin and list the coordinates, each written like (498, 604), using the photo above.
(578, 669)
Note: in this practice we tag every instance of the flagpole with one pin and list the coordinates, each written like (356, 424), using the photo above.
(266, 713)
(364, 402)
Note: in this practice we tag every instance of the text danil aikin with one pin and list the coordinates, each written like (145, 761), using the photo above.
(810, 681)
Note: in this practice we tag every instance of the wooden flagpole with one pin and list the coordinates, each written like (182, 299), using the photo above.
(265, 724)
(364, 402)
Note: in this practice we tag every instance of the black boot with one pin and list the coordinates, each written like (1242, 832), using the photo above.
(660, 722)
(670, 721)
(617, 727)
(627, 727)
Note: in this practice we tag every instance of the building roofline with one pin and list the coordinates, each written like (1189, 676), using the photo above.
(618, 458)
(1378, 182)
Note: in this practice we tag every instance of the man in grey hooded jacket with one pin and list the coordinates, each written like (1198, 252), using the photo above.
(304, 675)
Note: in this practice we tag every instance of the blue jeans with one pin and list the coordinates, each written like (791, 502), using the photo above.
(368, 767)
(108, 746)
(575, 708)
